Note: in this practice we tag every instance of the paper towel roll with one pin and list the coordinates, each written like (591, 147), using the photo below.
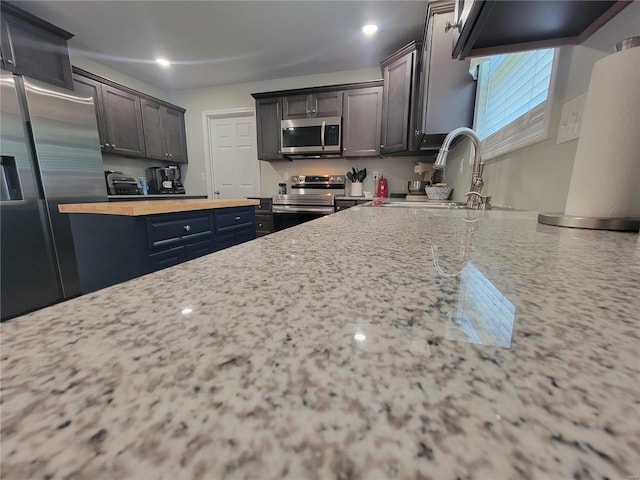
(606, 172)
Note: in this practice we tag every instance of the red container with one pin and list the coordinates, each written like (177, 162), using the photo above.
(383, 188)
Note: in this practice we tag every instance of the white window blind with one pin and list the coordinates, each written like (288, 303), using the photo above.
(513, 101)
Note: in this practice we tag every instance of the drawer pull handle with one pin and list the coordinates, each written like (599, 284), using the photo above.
(237, 219)
(187, 228)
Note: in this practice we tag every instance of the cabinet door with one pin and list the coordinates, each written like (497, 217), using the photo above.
(123, 116)
(175, 135)
(35, 49)
(154, 138)
(444, 82)
(396, 104)
(362, 122)
(268, 116)
(296, 106)
(328, 104)
(87, 87)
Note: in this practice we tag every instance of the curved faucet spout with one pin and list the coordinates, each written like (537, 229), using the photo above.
(478, 165)
(441, 159)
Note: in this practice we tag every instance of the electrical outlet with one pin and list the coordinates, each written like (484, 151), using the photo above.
(203, 177)
(375, 178)
(571, 119)
(286, 176)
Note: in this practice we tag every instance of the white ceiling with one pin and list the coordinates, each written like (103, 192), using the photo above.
(224, 42)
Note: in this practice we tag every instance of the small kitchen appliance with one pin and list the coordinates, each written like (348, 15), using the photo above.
(416, 187)
(165, 180)
(120, 184)
(320, 135)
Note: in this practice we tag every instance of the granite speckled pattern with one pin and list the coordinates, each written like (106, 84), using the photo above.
(325, 351)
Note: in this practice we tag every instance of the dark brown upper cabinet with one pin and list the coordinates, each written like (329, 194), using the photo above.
(164, 132)
(326, 104)
(361, 123)
(446, 97)
(268, 117)
(399, 72)
(325, 101)
(34, 48)
(133, 124)
(427, 94)
(483, 27)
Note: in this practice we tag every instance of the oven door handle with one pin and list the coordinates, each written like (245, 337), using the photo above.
(302, 209)
(322, 133)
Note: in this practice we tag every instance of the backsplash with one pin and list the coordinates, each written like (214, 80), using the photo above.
(397, 170)
(135, 167)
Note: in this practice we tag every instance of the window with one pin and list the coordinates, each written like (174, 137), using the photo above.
(513, 100)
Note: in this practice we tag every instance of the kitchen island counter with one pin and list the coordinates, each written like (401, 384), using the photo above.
(151, 207)
(342, 348)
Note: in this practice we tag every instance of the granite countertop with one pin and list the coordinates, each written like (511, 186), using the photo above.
(151, 207)
(340, 348)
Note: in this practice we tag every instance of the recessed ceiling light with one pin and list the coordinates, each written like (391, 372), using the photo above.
(370, 29)
(163, 61)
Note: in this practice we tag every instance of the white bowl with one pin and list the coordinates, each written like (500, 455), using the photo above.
(438, 193)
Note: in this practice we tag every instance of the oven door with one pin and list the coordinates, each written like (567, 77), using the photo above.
(291, 216)
(291, 210)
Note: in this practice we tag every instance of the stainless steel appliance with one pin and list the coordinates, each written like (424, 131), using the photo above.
(50, 155)
(311, 197)
(311, 135)
(120, 184)
(165, 180)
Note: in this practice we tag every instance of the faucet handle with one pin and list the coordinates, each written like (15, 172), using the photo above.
(484, 202)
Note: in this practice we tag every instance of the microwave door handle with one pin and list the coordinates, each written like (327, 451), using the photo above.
(322, 134)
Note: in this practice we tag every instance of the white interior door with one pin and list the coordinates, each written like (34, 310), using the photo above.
(234, 157)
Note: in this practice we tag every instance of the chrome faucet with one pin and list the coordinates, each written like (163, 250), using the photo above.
(475, 199)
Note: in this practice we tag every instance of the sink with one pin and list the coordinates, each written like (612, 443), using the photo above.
(423, 204)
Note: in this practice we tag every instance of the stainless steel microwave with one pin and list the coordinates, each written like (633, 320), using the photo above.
(311, 135)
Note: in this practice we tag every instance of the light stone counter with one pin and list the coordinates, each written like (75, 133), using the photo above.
(340, 349)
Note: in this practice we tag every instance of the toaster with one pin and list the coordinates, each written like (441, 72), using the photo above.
(120, 184)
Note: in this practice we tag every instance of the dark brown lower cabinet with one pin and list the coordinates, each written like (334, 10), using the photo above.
(264, 216)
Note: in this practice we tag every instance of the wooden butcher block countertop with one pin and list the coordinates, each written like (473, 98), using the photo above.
(152, 207)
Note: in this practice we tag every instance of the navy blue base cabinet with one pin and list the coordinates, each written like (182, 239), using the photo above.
(114, 248)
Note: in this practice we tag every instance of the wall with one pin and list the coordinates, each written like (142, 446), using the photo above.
(537, 177)
(227, 97)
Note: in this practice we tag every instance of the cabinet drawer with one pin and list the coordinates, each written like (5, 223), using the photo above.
(195, 250)
(230, 219)
(344, 204)
(265, 206)
(167, 258)
(264, 223)
(167, 230)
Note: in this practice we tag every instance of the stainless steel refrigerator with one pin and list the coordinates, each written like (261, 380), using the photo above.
(50, 155)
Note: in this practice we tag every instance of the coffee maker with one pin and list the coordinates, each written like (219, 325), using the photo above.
(165, 180)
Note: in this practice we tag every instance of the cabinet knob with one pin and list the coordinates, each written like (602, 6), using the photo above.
(9, 61)
(171, 155)
(113, 145)
(107, 145)
(187, 228)
(237, 219)
(457, 26)
(166, 154)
